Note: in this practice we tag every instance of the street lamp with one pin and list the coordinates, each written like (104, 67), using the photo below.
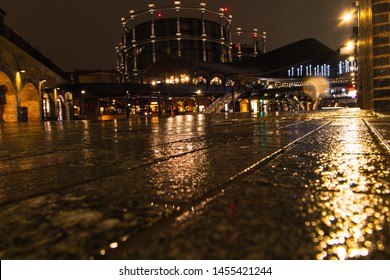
(351, 15)
(347, 17)
(18, 81)
(352, 47)
(42, 107)
(197, 100)
(82, 107)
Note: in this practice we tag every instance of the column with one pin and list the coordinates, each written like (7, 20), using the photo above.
(178, 27)
(264, 41)
(221, 14)
(152, 34)
(134, 40)
(204, 34)
(255, 38)
(239, 32)
(229, 29)
(381, 54)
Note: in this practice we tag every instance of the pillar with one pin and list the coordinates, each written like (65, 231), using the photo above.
(204, 34)
(152, 34)
(134, 40)
(381, 54)
(239, 31)
(178, 28)
(373, 54)
(255, 38)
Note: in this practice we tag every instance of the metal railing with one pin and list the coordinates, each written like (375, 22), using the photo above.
(18, 41)
(219, 103)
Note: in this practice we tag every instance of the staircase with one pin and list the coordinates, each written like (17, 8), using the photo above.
(219, 104)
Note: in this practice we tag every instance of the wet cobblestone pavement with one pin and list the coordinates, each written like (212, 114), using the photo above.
(281, 186)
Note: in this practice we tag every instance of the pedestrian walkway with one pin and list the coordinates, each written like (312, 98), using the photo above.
(280, 186)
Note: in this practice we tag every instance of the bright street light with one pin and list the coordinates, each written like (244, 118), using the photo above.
(350, 44)
(347, 17)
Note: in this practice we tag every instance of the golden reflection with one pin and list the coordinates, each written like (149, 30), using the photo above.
(347, 215)
(348, 226)
(178, 177)
(48, 126)
(181, 177)
(86, 142)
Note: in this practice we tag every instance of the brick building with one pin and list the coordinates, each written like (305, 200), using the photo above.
(374, 53)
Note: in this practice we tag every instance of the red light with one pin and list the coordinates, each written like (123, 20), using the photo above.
(225, 9)
(159, 15)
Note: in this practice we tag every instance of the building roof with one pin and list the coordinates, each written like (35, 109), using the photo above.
(173, 65)
(296, 53)
(168, 64)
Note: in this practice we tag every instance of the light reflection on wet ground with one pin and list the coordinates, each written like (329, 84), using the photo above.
(352, 216)
(69, 190)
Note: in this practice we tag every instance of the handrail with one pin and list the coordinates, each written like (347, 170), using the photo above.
(218, 104)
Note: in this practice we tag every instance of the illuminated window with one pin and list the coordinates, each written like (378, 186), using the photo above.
(199, 80)
(216, 81)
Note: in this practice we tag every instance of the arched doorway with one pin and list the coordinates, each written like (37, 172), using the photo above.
(10, 113)
(244, 106)
(29, 98)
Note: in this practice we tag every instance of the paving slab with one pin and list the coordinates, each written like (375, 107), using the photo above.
(308, 185)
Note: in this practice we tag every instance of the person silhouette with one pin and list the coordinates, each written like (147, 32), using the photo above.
(3, 101)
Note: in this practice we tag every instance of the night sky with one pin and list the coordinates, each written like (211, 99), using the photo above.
(82, 34)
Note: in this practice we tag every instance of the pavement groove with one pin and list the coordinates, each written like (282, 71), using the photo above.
(197, 187)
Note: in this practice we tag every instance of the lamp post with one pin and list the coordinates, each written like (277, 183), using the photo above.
(82, 105)
(41, 99)
(18, 81)
(348, 17)
(178, 28)
(127, 104)
(159, 103)
(356, 6)
(197, 100)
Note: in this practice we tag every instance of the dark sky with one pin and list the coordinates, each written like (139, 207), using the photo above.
(82, 34)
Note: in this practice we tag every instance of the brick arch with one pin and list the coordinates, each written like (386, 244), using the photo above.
(29, 97)
(10, 108)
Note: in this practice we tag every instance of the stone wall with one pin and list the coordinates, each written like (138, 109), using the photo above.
(24, 89)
